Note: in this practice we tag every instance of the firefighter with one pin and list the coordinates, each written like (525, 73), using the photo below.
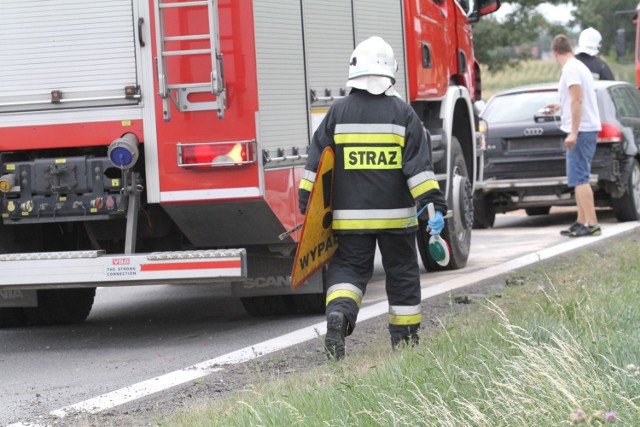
(587, 52)
(383, 174)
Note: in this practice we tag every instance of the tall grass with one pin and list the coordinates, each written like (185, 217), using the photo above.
(530, 72)
(561, 348)
(527, 72)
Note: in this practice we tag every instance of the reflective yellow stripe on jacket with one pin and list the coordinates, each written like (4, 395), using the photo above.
(308, 178)
(405, 315)
(372, 219)
(369, 133)
(422, 183)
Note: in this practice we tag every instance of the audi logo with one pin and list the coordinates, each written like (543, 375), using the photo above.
(533, 132)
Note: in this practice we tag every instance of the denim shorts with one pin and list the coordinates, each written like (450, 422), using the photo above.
(580, 157)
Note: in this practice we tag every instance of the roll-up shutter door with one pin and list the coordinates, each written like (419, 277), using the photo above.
(82, 49)
(328, 38)
(281, 76)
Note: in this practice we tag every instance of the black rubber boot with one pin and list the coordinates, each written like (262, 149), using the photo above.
(336, 331)
(404, 340)
(403, 335)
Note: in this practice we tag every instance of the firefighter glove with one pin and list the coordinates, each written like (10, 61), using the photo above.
(303, 200)
(436, 224)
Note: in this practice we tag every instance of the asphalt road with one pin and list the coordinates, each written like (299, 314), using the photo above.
(137, 333)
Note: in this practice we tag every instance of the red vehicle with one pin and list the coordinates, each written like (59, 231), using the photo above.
(621, 45)
(162, 141)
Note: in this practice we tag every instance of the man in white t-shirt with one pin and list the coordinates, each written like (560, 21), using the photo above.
(580, 119)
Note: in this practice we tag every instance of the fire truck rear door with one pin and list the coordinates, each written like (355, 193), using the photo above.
(92, 45)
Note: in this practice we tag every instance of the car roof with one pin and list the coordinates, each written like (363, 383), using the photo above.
(537, 87)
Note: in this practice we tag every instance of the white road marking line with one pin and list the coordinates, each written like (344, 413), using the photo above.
(172, 379)
(134, 392)
(572, 243)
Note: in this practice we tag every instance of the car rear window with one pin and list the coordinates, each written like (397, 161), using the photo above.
(518, 107)
(626, 101)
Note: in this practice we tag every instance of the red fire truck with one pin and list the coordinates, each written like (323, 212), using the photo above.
(162, 141)
(621, 36)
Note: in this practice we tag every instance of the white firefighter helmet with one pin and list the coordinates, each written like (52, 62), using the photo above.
(373, 67)
(589, 42)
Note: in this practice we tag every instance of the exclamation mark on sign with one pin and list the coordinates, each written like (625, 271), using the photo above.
(327, 180)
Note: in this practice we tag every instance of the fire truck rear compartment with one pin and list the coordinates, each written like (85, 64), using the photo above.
(231, 223)
(59, 189)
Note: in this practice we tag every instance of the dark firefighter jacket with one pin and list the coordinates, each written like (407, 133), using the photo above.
(597, 66)
(382, 167)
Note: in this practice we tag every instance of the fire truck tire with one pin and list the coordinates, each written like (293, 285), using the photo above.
(61, 306)
(310, 303)
(272, 305)
(12, 316)
(313, 303)
(457, 230)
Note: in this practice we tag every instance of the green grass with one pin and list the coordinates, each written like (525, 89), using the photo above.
(566, 340)
(530, 72)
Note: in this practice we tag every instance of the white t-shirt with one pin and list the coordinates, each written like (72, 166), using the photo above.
(575, 72)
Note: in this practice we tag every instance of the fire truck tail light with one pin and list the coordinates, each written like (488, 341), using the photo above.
(609, 134)
(482, 134)
(123, 152)
(216, 154)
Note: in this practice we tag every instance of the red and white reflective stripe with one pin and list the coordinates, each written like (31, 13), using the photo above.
(92, 268)
(190, 265)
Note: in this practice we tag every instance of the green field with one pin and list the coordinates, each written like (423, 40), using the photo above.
(530, 72)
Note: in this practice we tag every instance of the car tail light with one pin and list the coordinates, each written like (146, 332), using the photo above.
(609, 134)
(216, 154)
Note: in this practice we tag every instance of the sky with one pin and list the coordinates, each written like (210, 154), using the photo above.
(557, 14)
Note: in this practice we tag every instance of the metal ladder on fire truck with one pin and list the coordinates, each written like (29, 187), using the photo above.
(179, 92)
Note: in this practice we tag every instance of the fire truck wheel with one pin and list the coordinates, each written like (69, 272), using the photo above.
(272, 305)
(313, 303)
(61, 306)
(310, 303)
(457, 231)
(12, 316)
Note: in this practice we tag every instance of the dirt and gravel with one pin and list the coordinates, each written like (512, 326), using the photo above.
(223, 384)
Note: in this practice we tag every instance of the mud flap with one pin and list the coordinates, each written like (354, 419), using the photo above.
(18, 298)
(276, 284)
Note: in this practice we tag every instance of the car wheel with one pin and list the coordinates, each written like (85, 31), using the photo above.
(627, 207)
(457, 230)
(540, 210)
(484, 214)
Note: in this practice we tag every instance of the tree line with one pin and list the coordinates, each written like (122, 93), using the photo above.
(498, 43)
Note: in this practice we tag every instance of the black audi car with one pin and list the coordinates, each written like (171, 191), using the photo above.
(524, 160)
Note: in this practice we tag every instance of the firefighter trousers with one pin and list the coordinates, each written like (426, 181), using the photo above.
(351, 268)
